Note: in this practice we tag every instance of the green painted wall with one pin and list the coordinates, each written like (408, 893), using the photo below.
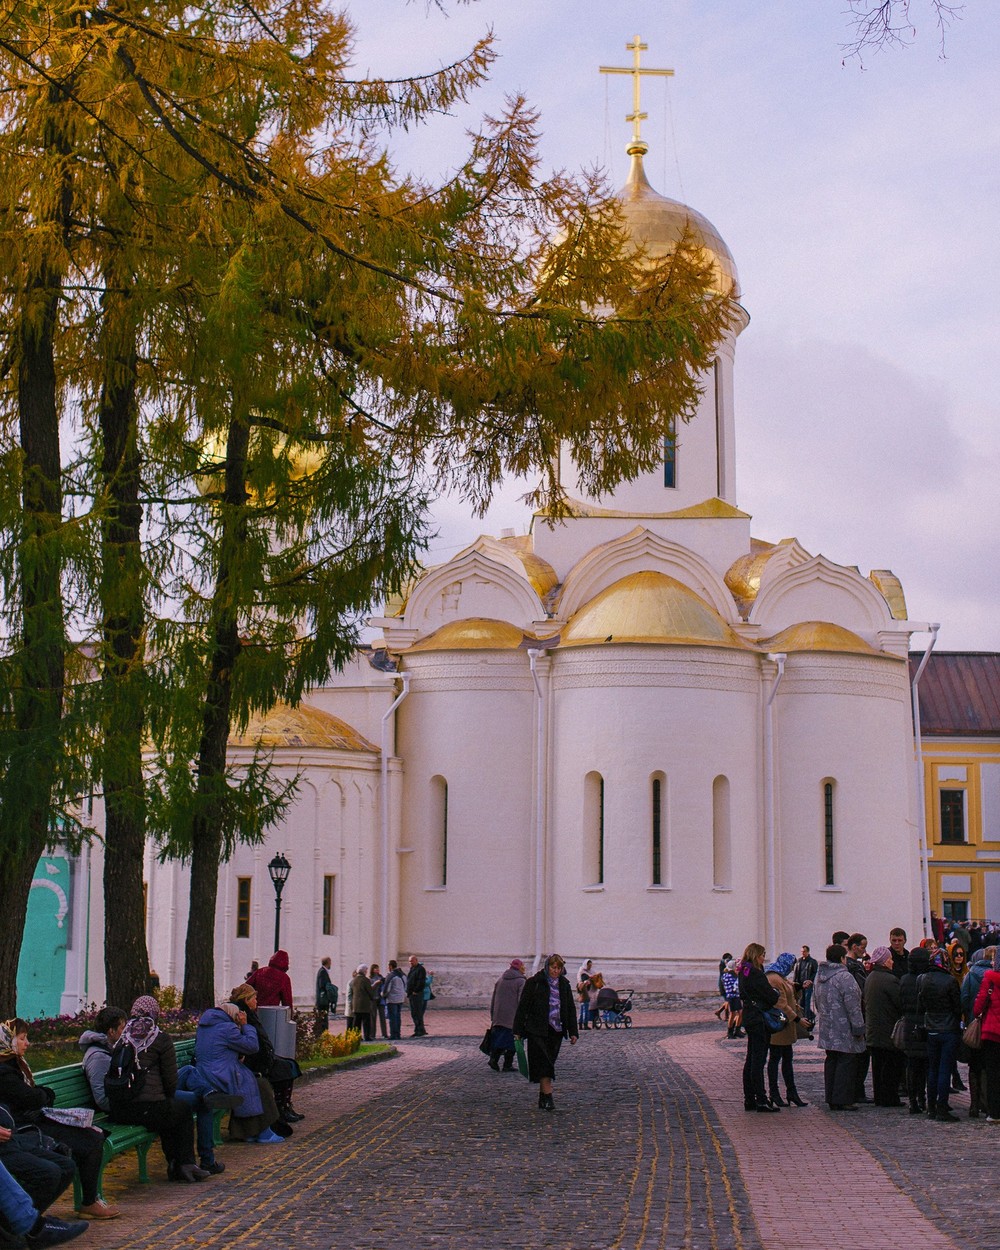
(41, 971)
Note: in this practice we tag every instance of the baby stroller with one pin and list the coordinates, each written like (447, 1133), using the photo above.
(613, 1009)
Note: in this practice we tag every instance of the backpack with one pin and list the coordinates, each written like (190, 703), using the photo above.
(125, 1078)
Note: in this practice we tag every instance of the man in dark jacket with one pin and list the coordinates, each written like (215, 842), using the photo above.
(900, 955)
(803, 979)
(416, 981)
(941, 1002)
(326, 997)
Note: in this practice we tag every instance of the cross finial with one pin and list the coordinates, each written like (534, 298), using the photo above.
(638, 144)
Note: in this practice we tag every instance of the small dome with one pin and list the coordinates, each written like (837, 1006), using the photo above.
(473, 634)
(658, 223)
(303, 726)
(818, 636)
(649, 607)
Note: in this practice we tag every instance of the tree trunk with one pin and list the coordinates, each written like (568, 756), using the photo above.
(39, 665)
(126, 958)
(206, 831)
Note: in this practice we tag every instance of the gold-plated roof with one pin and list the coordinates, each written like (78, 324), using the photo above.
(711, 509)
(539, 572)
(818, 636)
(476, 633)
(891, 589)
(303, 726)
(649, 607)
(658, 224)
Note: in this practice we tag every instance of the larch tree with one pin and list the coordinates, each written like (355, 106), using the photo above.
(278, 315)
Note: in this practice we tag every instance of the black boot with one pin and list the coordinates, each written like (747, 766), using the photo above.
(495, 1061)
(776, 1098)
(793, 1098)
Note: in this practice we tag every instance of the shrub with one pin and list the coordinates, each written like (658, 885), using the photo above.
(334, 1045)
(168, 996)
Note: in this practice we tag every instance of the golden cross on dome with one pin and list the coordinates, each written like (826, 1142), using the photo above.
(635, 117)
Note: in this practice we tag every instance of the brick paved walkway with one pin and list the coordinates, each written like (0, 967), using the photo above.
(650, 1148)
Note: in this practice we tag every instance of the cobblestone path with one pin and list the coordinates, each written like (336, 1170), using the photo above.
(458, 1156)
(650, 1149)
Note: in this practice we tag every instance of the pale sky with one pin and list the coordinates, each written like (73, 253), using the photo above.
(861, 206)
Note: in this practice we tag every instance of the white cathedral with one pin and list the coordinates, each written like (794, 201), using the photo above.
(642, 735)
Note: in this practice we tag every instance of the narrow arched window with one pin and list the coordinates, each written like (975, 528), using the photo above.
(593, 827)
(658, 828)
(670, 458)
(829, 866)
(439, 832)
(722, 846)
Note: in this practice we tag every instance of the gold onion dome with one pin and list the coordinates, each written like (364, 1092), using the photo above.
(474, 634)
(659, 223)
(818, 636)
(283, 726)
(649, 608)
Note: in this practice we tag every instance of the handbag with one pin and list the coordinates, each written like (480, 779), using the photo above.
(774, 1019)
(900, 1033)
(803, 1031)
(973, 1035)
(486, 1045)
(522, 1058)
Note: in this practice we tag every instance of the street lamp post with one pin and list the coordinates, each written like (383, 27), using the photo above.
(278, 870)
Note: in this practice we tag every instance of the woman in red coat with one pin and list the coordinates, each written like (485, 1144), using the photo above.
(987, 1005)
(273, 987)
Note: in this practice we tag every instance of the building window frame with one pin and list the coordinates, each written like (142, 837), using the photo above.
(594, 829)
(244, 898)
(953, 824)
(829, 833)
(329, 904)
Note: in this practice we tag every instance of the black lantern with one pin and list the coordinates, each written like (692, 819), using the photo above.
(278, 870)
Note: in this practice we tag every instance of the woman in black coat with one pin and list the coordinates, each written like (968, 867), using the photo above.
(545, 1015)
(757, 994)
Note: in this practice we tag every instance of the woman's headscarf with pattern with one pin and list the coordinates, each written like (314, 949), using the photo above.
(7, 1052)
(782, 965)
(141, 1029)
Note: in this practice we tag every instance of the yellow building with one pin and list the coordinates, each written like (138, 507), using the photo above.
(960, 729)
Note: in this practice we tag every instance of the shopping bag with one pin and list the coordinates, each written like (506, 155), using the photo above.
(522, 1058)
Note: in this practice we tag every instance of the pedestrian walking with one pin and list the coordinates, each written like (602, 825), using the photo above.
(545, 1015)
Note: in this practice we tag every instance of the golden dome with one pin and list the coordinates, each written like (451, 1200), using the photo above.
(476, 633)
(818, 636)
(283, 726)
(649, 607)
(539, 573)
(658, 224)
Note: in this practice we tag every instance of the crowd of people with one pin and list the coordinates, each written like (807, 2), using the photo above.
(131, 1068)
(376, 1000)
(907, 1017)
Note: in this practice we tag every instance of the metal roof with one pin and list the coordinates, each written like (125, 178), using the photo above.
(959, 693)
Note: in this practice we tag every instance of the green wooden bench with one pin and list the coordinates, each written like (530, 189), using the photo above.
(71, 1089)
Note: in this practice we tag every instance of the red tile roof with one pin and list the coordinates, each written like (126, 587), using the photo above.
(959, 693)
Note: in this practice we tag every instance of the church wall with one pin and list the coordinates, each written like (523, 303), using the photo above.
(689, 716)
(843, 720)
(469, 722)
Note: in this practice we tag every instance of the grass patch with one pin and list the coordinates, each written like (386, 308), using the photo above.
(338, 1061)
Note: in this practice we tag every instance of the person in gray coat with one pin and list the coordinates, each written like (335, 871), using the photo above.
(503, 1007)
(841, 1030)
(883, 1007)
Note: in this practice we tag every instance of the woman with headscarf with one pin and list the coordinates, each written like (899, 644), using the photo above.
(27, 1103)
(362, 1001)
(941, 1002)
(987, 1006)
(222, 1042)
(155, 1107)
(779, 1051)
(883, 1007)
(546, 1013)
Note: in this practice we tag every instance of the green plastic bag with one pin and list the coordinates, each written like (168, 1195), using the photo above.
(522, 1058)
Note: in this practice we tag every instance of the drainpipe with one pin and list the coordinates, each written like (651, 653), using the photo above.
(925, 876)
(384, 798)
(771, 904)
(533, 654)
